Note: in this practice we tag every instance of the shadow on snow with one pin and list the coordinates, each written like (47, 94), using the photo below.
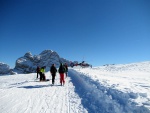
(36, 86)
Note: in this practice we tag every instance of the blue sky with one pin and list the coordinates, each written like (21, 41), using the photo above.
(97, 31)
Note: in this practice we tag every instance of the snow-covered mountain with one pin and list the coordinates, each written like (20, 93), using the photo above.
(28, 63)
(122, 88)
(4, 68)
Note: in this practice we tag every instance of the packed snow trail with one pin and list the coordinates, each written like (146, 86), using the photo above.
(99, 99)
(105, 89)
(24, 94)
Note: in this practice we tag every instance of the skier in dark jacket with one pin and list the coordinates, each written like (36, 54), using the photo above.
(53, 71)
(66, 69)
(61, 72)
(37, 71)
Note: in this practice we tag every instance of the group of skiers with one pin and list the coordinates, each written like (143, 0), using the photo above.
(41, 71)
(63, 70)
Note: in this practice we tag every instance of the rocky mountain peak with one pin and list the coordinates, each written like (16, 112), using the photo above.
(28, 63)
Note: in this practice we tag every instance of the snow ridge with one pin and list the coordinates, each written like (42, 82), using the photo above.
(98, 98)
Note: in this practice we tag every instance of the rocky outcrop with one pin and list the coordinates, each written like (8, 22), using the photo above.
(28, 63)
(5, 69)
(49, 57)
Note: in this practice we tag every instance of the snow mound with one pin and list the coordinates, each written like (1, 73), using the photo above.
(133, 67)
(101, 99)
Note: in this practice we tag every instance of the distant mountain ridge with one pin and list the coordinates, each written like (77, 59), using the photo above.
(28, 63)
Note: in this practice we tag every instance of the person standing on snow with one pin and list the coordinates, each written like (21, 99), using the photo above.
(42, 74)
(61, 71)
(37, 71)
(66, 69)
(53, 71)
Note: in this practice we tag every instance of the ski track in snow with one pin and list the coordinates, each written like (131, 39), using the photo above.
(30, 96)
(103, 92)
(97, 98)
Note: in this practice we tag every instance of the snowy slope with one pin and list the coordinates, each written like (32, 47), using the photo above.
(24, 94)
(105, 89)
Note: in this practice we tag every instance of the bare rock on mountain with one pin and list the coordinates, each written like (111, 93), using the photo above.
(28, 63)
(48, 58)
(28, 55)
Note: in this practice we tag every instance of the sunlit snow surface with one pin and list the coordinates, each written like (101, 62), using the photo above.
(105, 89)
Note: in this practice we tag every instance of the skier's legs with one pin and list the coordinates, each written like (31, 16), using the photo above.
(40, 76)
(53, 78)
(61, 78)
(66, 74)
(44, 77)
(37, 74)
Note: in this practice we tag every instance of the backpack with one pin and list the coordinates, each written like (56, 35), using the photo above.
(61, 69)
